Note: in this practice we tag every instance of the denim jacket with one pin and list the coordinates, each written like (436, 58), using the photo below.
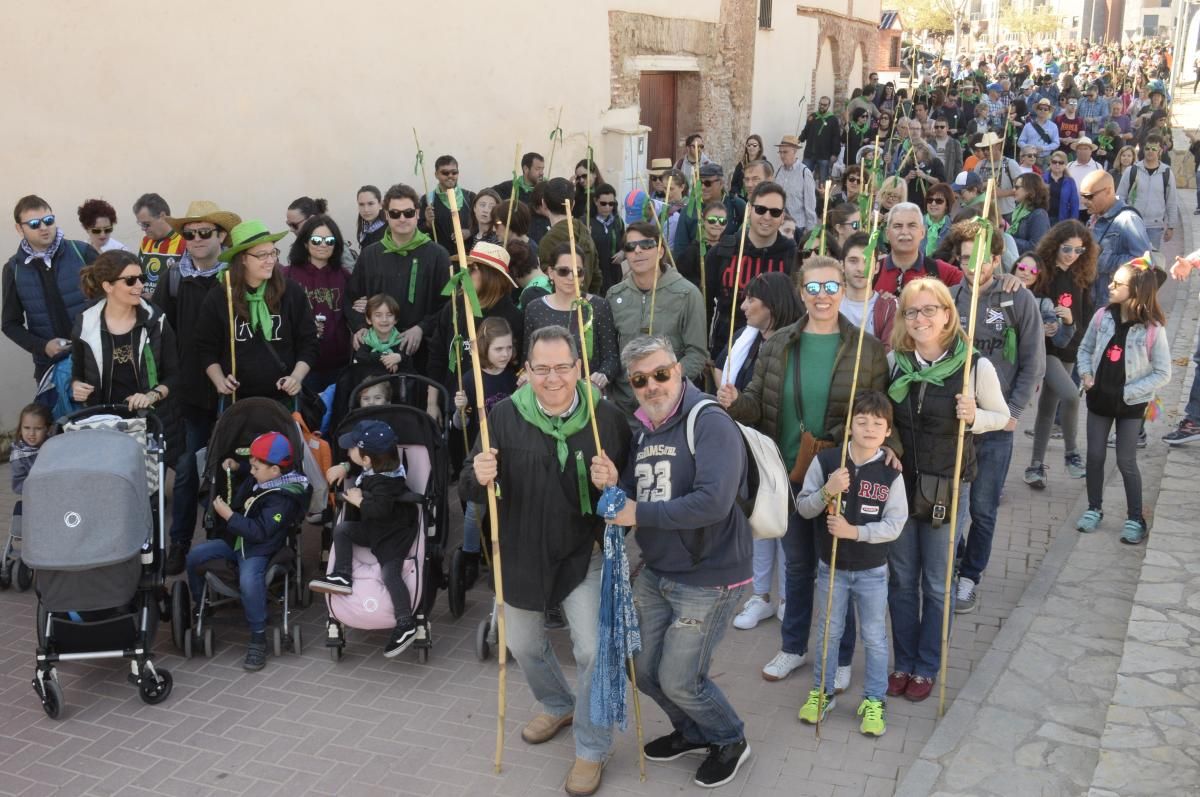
(1145, 370)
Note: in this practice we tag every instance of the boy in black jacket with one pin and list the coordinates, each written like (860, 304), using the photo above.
(387, 525)
(272, 502)
(873, 511)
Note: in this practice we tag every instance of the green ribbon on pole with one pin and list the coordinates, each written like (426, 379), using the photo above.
(456, 348)
(556, 133)
(872, 243)
(814, 238)
(419, 162)
(462, 279)
(588, 314)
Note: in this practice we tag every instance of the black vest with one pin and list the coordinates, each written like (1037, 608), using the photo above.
(928, 426)
(863, 503)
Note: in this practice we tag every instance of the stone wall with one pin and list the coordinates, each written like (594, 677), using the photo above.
(843, 35)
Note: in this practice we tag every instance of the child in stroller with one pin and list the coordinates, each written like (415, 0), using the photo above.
(272, 501)
(32, 430)
(388, 523)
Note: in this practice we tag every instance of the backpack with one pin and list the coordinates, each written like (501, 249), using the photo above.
(770, 500)
(1166, 178)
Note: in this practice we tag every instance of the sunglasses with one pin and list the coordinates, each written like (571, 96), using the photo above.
(454, 173)
(606, 204)
(853, 180)
(709, 183)
(660, 375)
(191, 235)
(1029, 269)
(566, 271)
(1154, 149)
(1088, 196)
(854, 225)
(1071, 250)
(1058, 163)
(643, 244)
(763, 210)
(716, 219)
(35, 224)
(130, 281)
(579, 178)
(322, 240)
(100, 230)
(407, 214)
(929, 311)
(1025, 155)
(934, 200)
(831, 288)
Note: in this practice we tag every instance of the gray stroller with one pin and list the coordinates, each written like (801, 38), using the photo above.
(94, 537)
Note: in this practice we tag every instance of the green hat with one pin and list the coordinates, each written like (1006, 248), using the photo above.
(246, 235)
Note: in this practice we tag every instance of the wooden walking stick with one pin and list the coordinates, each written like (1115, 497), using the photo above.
(662, 233)
(980, 251)
(587, 190)
(485, 438)
(825, 215)
(232, 330)
(587, 376)
(512, 199)
(662, 242)
(869, 256)
(420, 164)
(733, 307)
(700, 226)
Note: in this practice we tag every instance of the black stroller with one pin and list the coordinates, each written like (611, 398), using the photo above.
(94, 537)
(191, 627)
(424, 456)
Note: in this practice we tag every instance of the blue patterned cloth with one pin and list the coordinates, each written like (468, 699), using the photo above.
(618, 632)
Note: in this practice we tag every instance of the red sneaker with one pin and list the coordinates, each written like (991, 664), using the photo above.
(918, 688)
(897, 683)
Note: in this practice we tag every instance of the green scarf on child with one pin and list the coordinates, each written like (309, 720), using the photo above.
(371, 341)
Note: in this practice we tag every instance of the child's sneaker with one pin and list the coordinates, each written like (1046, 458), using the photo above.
(1134, 532)
(256, 655)
(815, 705)
(402, 638)
(1035, 476)
(1075, 467)
(333, 584)
(1089, 520)
(873, 713)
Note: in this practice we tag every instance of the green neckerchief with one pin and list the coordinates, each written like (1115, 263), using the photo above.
(540, 281)
(260, 314)
(1018, 215)
(823, 118)
(372, 341)
(935, 374)
(933, 233)
(458, 197)
(1106, 142)
(520, 185)
(861, 131)
(560, 429)
(391, 247)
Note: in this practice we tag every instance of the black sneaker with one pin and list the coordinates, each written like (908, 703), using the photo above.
(470, 569)
(722, 764)
(555, 619)
(401, 639)
(333, 583)
(256, 656)
(668, 748)
(176, 559)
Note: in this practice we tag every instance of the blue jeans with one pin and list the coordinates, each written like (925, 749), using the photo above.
(800, 557)
(1192, 411)
(869, 590)
(527, 639)
(768, 568)
(681, 627)
(993, 453)
(252, 582)
(1155, 234)
(186, 496)
(917, 590)
(820, 167)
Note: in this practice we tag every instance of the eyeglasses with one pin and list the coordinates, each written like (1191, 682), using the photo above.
(854, 225)
(448, 172)
(100, 230)
(716, 220)
(579, 178)
(642, 243)
(322, 240)
(1088, 196)
(831, 288)
(1027, 268)
(1153, 149)
(929, 311)
(130, 281)
(1058, 163)
(606, 204)
(935, 200)
(566, 271)
(407, 214)
(660, 375)
(35, 224)
(1066, 249)
(762, 210)
(191, 235)
(1115, 284)
(854, 179)
(709, 183)
(1025, 155)
(271, 255)
(562, 369)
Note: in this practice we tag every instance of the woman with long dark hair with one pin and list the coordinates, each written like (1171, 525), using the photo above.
(370, 225)
(587, 180)
(314, 262)
(752, 151)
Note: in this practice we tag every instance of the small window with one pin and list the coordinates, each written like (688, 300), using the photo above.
(1150, 25)
(894, 54)
(764, 13)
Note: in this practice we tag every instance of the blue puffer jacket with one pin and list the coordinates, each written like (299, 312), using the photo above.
(68, 261)
(1147, 368)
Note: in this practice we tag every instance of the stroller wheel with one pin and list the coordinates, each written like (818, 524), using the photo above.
(181, 614)
(52, 697)
(277, 641)
(335, 653)
(456, 591)
(483, 650)
(155, 689)
(187, 644)
(208, 643)
(5, 575)
(296, 643)
(423, 655)
(24, 576)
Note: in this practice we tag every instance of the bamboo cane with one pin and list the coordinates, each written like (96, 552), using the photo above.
(428, 198)
(825, 215)
(512, 200)
(662, 242)
(700, 227)
(662, 233)
(485, 438)
(979, 252)
(587, 190)
(737, 281)
(554, 139)
(458, 368)
(837, 507)
(232, 330)
(587, 376)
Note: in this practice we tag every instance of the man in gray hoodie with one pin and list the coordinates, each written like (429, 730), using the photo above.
(1009, 333)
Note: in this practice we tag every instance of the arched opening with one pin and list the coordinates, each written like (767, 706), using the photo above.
(824, 83)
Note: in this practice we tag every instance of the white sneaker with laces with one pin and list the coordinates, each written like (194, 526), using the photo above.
(965, 596)
(841, 680)
(757, 609)
(782, 666)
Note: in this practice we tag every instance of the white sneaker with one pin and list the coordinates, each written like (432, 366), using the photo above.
(779, 612)
(782, 666)
(841, 680)
(965, 597)
(755, 611)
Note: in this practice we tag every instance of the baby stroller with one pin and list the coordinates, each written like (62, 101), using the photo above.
(94, 536)
(423, 450)
(191, 626)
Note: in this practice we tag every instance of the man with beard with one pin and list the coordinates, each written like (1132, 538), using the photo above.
(435, 207)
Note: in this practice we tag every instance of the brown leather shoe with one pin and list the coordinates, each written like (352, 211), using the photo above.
(545, 727)
(584, 777)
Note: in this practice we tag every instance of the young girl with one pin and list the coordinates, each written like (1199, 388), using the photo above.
(1123, 359)
(1027, 269)
(495, 339)
(32, 431)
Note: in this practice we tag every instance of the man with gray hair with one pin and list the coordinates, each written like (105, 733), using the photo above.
(684, 480)
(550, 536)
(905, 234)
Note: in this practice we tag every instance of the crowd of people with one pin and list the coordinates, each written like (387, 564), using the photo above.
(748, 291)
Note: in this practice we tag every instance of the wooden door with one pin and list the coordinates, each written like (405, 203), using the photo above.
(657, 91)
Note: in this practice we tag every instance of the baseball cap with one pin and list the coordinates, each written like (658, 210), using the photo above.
(711, 170)
(966, 180)
(272, 448)
(369, 437)
(995, 87)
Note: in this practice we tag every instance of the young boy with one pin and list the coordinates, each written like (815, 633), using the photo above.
(272, 501)
(387, 524)
(874, 508)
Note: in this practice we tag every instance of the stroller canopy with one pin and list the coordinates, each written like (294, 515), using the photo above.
(245, 420)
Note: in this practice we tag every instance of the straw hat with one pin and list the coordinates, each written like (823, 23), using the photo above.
(990, 139)
(660, 166)
(789, 141)
(493, 256)
(203, 210)
(246, 235)
(1083, 141)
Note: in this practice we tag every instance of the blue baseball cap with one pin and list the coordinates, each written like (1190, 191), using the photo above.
(966, 180)
(995, 87)
(369, 437)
